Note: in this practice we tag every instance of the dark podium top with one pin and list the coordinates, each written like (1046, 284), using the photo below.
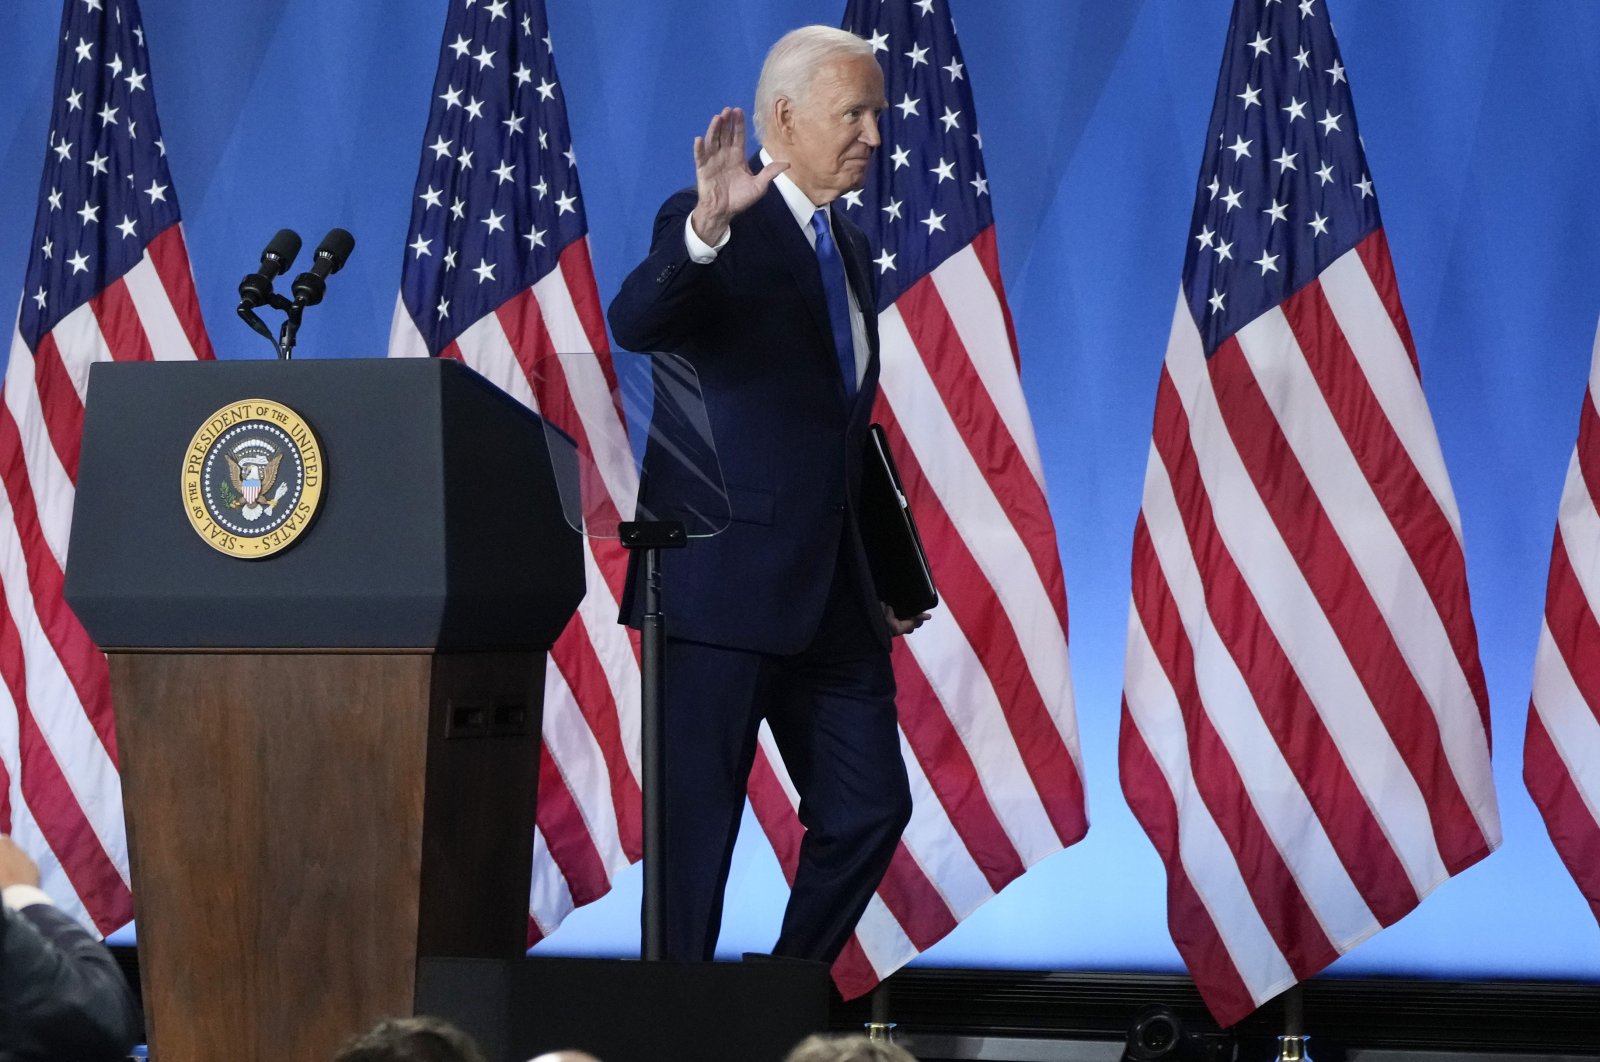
(439, 524)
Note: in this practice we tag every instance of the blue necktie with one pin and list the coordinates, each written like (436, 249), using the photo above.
(838, 296)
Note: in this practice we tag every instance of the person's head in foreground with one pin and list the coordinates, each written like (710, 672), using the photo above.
(848, 1049)
(420, 1039)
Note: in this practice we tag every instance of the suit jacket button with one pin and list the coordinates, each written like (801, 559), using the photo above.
(838, 508)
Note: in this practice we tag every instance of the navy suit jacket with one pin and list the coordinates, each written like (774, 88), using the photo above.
(61, 994)
(754, 324)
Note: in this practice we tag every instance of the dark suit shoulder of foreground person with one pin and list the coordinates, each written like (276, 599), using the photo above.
(62, 996)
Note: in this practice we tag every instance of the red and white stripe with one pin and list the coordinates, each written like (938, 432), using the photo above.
(1561, 755)
(60, 794)
(985, 696)
(588, 811)
(1305, 725)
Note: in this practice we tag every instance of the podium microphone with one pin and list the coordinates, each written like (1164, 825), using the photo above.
(309, 287)
(256, 288)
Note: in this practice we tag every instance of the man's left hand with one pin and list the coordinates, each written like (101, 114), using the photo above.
(900, 626)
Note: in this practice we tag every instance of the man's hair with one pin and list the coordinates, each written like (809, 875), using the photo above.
(848, 1049)
(420, 1039)
(793, 63)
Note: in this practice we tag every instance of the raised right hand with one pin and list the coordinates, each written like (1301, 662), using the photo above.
(723, 179)
(15, 866)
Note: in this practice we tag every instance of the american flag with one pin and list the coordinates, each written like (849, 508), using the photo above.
(985, 698)
(497, 274)
(1305, 731)
(1561, 754)
(108, 277)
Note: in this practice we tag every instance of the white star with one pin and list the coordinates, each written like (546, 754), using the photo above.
(1319, 225)
(1329, 122)
(918, 56)
(544, 139)
(162, 146)
(75, 100)
(1303, 57)
(1296, 109)
(926, 5)
(853, 197)
(497, 10)
(474, 108)
(551, 48)
(484, 269)
(908, 106)
(441, 148)
(901, 156)
(1285, 160)
(1267, 262)
(1336, 71)
(89, 213)
(39, 298)
(451, 97)
(465, 159)
(98, 163)
(431, 196)
(1251, 97)
(1240, 147)
(47, 247)
(133, 129)
(1305, 8)
(1204, 236)
(547, 89)
(1232, 198)
(935, 222)
(527, 25)
(954, 70)
(504, 171)
(450, 259)
(458, 208)
(83, 49)
(1365, 185)
(92, 5)
(462, 47)
(115, 66)
(951, 119)
(1214, 187)
(55, 199)
(535, 237)
(1217, 300)
(444, 307)
(564, 204)
(945, 171)
(421, 246)
(1224, 251)
(64, 149)
(138, 31)
(893, 209)
(977, 138)
(570, 155)
(156, 192)
(79, 262)
(1326, 173)
(513, 124)
(108, 115)
(522, 74)
(135, 81)
(879, 42)
(496, 222)
(542, 188)
(1277, 211)
(1260, 44)
(981, 184)
(885, 261)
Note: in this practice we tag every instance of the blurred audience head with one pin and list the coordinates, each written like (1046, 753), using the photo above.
(848, 1049)
(565, 1056)
(420, 1039)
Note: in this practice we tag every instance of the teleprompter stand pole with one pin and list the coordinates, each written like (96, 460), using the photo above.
(653, 536)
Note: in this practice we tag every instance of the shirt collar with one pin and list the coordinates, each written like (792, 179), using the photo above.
(799, 204)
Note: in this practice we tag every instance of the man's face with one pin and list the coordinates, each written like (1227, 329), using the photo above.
(828, 137)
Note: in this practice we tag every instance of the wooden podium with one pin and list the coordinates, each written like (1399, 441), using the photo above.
(328, 754)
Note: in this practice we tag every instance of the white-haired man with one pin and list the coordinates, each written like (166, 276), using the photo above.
(758, 280)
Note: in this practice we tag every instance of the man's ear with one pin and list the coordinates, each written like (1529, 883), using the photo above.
(782, 118)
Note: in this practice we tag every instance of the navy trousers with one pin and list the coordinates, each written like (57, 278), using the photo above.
(831, 710)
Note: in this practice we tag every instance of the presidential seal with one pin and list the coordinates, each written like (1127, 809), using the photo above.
(252, 478)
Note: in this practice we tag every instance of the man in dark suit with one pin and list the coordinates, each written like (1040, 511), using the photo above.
(758, 279)
(61, 993)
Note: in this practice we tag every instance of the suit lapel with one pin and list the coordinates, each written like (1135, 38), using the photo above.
(772, 214)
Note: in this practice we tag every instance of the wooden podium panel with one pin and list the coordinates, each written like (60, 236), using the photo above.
(304, 826)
